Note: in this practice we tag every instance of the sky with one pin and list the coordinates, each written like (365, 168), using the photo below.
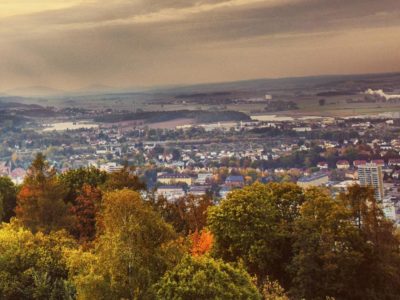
(75, 44)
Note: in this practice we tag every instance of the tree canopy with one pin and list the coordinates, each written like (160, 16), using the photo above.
(40, 202)
(90, 235)
(32, 266)
(206, 278)
(8, 199)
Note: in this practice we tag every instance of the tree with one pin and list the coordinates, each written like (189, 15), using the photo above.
(378, 274)
(85, 210)
(254, 224)
(75, 180)
(8, 198)
(272, 290)
(122, 179)
(206, 278)
(40, 203)
(326, 258)
(135, 249)
(187, 214)
(344, 248)
(32, 266)
(321, 102)
(201, 242)
(87, 275)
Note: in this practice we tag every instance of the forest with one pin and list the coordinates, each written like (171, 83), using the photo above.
(86, 234)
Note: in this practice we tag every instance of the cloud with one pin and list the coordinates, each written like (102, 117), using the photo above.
(9, 8)
(152, 42)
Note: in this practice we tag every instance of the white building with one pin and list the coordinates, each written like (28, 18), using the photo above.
(111, 167)
(202, 178)
(316, 179)
(199, 190)
(171, 193)
(371, 175)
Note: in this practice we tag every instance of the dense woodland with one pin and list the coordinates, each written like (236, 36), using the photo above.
(86, 234)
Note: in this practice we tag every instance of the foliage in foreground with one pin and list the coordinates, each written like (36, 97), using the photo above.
(89, 235)
(206, 278)
(32, 266)
(314, 245)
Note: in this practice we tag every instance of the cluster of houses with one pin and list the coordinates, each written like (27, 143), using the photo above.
(16, 175)
(174, 186)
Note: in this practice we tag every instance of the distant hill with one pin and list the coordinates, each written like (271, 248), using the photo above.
(34, 91)
(224, 92)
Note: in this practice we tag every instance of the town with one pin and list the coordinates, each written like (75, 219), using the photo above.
(214, 158)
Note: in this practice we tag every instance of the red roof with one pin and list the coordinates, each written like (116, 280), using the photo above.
(378, 161)
(359, 162)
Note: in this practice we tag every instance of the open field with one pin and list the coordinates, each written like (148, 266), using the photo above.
(342, 96)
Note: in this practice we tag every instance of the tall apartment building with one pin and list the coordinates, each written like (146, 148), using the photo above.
(370, 174)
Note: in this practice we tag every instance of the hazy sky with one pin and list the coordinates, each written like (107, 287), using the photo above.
(70, 44)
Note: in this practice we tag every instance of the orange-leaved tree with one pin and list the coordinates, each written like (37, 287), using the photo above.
(201, 242)
(85, 211)
(40, 204)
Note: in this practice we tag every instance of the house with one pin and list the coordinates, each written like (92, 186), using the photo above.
(343, 164)
(234, 181)
(316, 179)
(396, 174)
(224, 191)
(378, 162)
(203, 178)
(111, 167)
(199, 190)
(323, 165)
(171, 179)
(4, 169)
(394, 162)
(390, 209)
(344, 185)
(357, 163)
(171, 193)
(18, 175)
(351, 174)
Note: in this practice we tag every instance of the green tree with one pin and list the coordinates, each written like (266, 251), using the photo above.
(32, 266)
(344, 248)
(206, 278)
(134, 251)
(8, 198)
(40, 202)
(74, 180)
(125, 178)
(87, 275)
(272, 290)
(254, 224)
(378, 275)
(326, 258)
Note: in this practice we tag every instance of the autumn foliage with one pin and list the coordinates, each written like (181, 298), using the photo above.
(91, 235)
(40, 203)
(85, 211)
(201, 242)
